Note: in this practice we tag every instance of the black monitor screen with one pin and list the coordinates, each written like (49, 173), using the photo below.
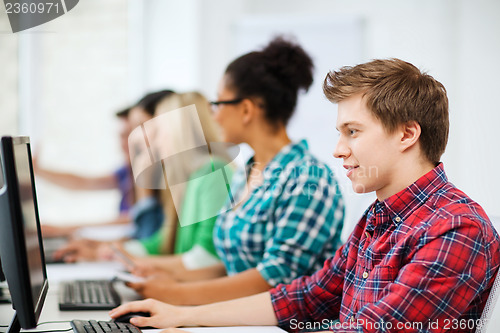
(21, 246)
(35, 267)
(2, 277)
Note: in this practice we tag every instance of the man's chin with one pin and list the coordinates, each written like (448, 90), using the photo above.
(359, 188)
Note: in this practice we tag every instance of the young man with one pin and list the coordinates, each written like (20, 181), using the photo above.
(422, 258)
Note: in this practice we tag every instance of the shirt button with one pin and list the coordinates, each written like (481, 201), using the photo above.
(398, 219)
(367, 234)
(353, 319)
(365, 275)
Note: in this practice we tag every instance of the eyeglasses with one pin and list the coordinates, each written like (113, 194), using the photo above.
(215, 104)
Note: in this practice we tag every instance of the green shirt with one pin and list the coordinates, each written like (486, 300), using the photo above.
(198, 202)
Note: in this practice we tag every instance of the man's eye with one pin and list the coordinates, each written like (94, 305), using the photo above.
(353, 131)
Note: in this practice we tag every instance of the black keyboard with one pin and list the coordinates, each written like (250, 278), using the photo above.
(92, 326)
(88, 295)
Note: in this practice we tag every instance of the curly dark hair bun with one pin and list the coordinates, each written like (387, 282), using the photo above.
(275, 75)
(289, 62)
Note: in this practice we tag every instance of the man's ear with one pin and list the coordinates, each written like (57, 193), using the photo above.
(410, 133)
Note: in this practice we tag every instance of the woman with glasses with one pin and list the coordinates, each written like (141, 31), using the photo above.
(286, 215)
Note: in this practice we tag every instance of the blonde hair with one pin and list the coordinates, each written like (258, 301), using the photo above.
(184, 132)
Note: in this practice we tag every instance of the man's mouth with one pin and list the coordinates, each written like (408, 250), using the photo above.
(350, 169)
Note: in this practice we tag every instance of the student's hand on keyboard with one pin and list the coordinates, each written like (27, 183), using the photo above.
(161, 287)
(74, 250)
(162, 315)
(80, 250)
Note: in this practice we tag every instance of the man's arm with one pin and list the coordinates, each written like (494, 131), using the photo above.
(190, 275)
(243, 284)
(249, 311)
(174, 266)
(76, 182)
(447, 272)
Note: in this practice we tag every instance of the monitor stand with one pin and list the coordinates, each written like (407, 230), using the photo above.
(15, 326)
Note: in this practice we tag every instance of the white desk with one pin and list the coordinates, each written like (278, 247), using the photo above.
(86, 271)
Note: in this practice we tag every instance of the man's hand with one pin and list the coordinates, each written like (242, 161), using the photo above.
(248, 311)
(162, 315)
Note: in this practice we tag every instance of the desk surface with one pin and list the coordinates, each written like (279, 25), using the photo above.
(82, 271)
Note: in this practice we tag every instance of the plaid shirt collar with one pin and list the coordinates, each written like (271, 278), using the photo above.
(402, 204)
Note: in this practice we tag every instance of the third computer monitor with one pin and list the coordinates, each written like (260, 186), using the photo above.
(21, 247)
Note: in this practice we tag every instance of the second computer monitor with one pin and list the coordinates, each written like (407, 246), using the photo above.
(21, 247)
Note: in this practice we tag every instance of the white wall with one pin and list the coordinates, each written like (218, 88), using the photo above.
(455, 41)
(9, 101)
(145, 45)
(171, 43)
(477, 164)
(72, 77)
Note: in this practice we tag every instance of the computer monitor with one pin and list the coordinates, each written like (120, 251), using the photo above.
(2, 276)
(21, 247)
